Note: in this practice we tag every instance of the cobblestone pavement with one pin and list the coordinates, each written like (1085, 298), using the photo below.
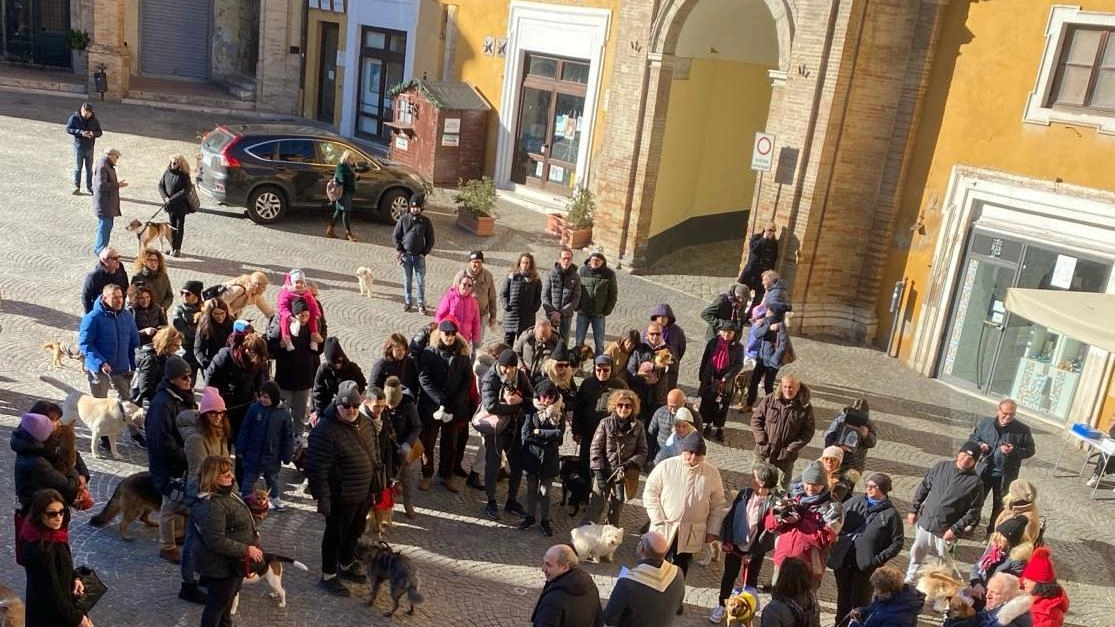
(474, 572)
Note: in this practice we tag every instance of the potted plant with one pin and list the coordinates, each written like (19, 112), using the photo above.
(577, 232)
(77, 41)
(476, 202)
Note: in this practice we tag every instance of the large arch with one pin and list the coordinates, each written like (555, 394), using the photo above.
(668, 24)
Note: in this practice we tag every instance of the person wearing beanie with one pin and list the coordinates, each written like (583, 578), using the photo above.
(413, 238)
(727, 309)
(871, 536)
(660, 429)
(720, 363)
(542, 434)
(674, 337)
(807, 530)
(1006, 552)
(854, 432)
(534, 346)
(520, 296)
(237, 370)
(505, 395)
(946, 502)
(1050, 601)
(336, 367)
(445, 383)
(1005, 442)
(484, 289)
(841, 482)
(561, 293)
(186, 314)
(683, 429)
(341, 463)
(166, 452)
(599, 293)
(459, 304)
(37, 426)
(265, 443)
(297, 358)
(684, 499)
(407, 427)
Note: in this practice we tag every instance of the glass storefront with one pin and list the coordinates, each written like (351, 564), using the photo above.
(996, 352)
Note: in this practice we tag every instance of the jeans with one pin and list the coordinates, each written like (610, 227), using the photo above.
(187, 565)
(714, 412)
(341, 209)
(83, 157)
(178, 230)
(343, 527)
(596, 505)
(219, 593)
(104, 232)
(447, 454)
(416, 265)
(926, 545)
(597, 331)
(428, 436)
(297, 400)
(563, 328)
(272, 480)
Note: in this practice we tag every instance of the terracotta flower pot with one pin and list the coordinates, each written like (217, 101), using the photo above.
(576, 238)
(482, 226)
(555, 224)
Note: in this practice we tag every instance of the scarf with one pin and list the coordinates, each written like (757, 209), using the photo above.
(30, 532)
(720, 355)
(992, 557)
(222, 489)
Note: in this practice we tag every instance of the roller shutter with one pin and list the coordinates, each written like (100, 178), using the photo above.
(174, 38)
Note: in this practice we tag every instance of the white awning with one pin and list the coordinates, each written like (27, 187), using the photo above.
(1085, 316)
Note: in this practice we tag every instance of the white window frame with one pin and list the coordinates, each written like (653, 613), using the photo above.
(1061, 19)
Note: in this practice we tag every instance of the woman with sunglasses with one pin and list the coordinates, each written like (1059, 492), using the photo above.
(214, 325)
(617, 455)
(872, 535)
(149, 269)
(174, 186)
(52, 584)
(460, 305)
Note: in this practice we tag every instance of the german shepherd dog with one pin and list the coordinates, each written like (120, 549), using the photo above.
(382, 563)
(575, 486)
(269, 569)
(135, 497)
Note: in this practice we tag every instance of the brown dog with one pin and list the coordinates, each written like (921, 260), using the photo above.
(12, 611)
(134, 497)
(60, 350)
(147, 232)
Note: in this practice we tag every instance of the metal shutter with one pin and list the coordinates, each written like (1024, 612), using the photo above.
(174, 38)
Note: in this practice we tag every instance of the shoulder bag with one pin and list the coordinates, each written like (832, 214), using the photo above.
(193, 201)
(94, 589)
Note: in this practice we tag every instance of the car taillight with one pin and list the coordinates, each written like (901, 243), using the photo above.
(228, 160)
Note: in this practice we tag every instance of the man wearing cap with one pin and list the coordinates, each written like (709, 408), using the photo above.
(762, 255)
(599, 292)
(947, 501)
(1004, 442)
(727, 309)
(414, 239)
(561, 293)
(534, 346)
(807, 530)
(661, 424)
(590, 405)
(483, 288)
(650, 593)
(166, 455)
(505, 395)
(341, 463)
(106, 197)
(85, 128)
(684, 497)
(185, 320)
(108, 271)
(445, 376)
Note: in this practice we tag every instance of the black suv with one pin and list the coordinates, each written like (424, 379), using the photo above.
(271, 168)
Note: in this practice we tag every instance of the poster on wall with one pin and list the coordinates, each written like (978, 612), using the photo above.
(449, 139)
(401, 142)
(570, 127)
(453, 125)
(1062, 272)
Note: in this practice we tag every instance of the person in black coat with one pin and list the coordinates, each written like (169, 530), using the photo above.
(150, 361)
(108, 270)
(520, 297)
(727, 309)
(341, 467)
(542, 433)
(35, 445)
(238, 371)
(334, 368)
(762, 255)
(52, 585)
(214, 325)
(403, 414)
(414, 239)
(505, 394)
(166, 455)
(871, 536)
(590, 406)
(444, 375)
(186, 314)
(149, 316)
(174, 188)
(400, 359)
(570, 597)
(1005, 442)
(720, 363)
(296, 369)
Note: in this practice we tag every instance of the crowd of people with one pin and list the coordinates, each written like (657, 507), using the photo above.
(228, 403)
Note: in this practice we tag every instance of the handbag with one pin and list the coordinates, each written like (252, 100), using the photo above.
(193, 202)
(488, 423)
(788, 355)
(334, 190)
(416, 451)
(94, 589)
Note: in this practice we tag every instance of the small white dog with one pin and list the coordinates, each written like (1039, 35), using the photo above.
(365, 277)
(107, 417)
(710, 553)
(596, 542)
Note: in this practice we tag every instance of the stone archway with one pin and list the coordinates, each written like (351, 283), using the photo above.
(667, 27)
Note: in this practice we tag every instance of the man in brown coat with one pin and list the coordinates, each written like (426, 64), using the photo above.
(782, 424)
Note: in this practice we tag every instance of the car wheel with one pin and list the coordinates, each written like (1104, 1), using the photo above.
(266, 205)
(394, 204)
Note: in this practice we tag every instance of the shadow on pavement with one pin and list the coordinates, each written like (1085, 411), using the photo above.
(43, 315)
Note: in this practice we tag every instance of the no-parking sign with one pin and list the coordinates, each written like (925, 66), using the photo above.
(762, 153)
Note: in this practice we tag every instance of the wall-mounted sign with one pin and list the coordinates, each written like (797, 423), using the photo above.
(453, 125)
(449, 139)
(401, 142)
(1062, 272)
(762, 152)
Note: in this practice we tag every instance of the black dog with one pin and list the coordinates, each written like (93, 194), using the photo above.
(575, 486)
(381, 563)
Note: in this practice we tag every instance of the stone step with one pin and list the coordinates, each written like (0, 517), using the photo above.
(242, 87)
(44, 85)
(188, 100)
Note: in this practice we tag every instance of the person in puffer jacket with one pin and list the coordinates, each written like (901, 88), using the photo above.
(266, 442)
(561, 294)
(894, 603)
(616, 456)
(1050, 602)
(520, 297)
(335, 367)
(460, 305)
(296, 287)
(807, 528)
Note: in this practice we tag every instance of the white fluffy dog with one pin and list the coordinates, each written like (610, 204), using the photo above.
(365, 277)
(710, 553)
(107, 417)
(596, 542)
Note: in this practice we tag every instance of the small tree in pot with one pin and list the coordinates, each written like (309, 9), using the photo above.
(476, 202)
(578, 223)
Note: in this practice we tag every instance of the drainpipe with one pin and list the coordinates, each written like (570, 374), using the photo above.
(302, 58)
(449, 55)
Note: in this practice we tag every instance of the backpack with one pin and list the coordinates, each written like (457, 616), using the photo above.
(334, 190)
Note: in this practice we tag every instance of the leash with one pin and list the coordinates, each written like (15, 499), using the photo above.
(161, 208)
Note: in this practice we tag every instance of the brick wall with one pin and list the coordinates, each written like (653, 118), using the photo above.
(277, 72)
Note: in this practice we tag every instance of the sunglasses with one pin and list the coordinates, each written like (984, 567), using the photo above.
(221, 414)
(561, 365)
(652, 334)
(872, 485)
(449, 333)
(466, 284)
(627, 405)
(115, 258)
(350, 405)
(54, 513)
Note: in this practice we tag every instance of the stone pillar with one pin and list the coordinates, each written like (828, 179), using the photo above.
(108, 49)
(277, 71)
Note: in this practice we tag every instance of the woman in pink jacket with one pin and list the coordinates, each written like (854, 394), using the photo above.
(460, 304)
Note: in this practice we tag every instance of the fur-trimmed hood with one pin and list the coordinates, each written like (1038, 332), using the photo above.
(460, 342)
(1007, 613)
(803, 398)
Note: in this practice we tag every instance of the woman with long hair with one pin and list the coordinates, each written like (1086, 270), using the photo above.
(52, 585)
(520, 297)
(620, 351)
(792, 602)
(174, 188)
(150, 359)
(345, 174)
(224, 537)
(395, 361)
(149, 316)
(149, 268)
(244, 290)
(237, 372)
(214, 325)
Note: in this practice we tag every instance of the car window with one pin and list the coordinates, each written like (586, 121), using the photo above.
(330, 152)
(217, 139)
(263, 150)
(296, 150)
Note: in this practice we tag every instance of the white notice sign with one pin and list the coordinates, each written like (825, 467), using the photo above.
(450, 140)
(453, 125)
(762, 153)
(401, 142)
(1062, 272)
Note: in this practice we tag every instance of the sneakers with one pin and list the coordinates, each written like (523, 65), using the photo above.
(473, 481)
(527, 523)
(334, 586)
(139, 440)
(77, 191)
(491, 511)
(277, 505)
(545, 529)
(422, 310)
(513, 507)
(189, 592)
(353, 573)
(175, 253)
(716, 615)
(407, 307)
(1091, 483)
(172, 555)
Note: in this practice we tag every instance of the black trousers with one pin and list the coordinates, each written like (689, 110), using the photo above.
(715, 412)
(219, 593)
(681, 560)
(448, 459)
(343, 527)
(429, 437)
(178, 230)
(853, 589)
(733, 563)
(507, 441)
(766, 375)
(996, 486)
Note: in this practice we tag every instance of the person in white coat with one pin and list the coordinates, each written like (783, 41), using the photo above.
(684, 497)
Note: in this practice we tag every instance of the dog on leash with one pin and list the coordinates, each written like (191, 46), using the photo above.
(382, 563)
(147, 232)
(269, 569)
(12, 611)
(596, 543)
(740, 609)
(134, 497)
(575, 486)
(365, 277)
(60, 350)
(107, 417)
(944, 592)
(582, 359)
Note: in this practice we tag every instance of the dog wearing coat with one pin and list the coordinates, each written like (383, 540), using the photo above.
(59, 351)
(382, 563)
(596, 543)
(147, 232)
(107, 417)
(269, 569)
(365, 278)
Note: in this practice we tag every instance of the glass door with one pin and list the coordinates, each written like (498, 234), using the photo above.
(382, 58)
(550, 123)
(979, 321)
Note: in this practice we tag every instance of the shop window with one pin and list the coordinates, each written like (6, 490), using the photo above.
(1076, 79)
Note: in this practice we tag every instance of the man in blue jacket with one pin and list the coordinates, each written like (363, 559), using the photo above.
(84, 127)
(108, 338)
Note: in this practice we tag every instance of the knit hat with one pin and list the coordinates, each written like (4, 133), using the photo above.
(476, 255)
(598, 254)
(298, 306)
(418, 200)
(348, 394)
(447, 326)
(241, 326)
(393, 391)
(545, 388)
(210, 400)
(1022, 491)
(37, 426)
(560, 353)
(814, 473)
(693, 443)
(882, 481)
(508, 358)
(296, 275)
(683, 415)
(604, 360)
(193, 287)
(271, 389)
(972, 449)
(1012, 529)
(1040, 567)
(834, 452)
(176, 368)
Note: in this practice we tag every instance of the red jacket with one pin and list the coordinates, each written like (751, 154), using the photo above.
(1049, 611)
(808, 539)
